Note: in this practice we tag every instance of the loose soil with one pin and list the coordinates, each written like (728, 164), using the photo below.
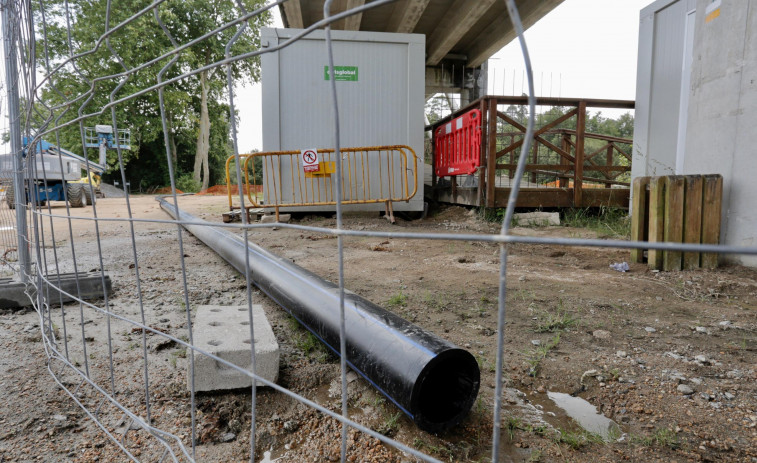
(668, 356)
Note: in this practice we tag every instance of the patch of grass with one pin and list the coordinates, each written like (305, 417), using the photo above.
(442, 451)
(306, 342)
(181, 353)
(551, 322)
(662, 437)
(390, 425)
(484, 364)
(607, 222)
(511, 425)
(435, 301)
(578, 439)
(535, 456)
(534, 357)
(398, 300)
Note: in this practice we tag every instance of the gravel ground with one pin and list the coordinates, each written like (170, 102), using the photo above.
(669, 357)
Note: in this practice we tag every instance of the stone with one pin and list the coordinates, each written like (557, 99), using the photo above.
(729, 396)
(702, 359)
(621, 353)
(702, 329)
(649, 329)
(228, 437)
(283, 218)
(601, 334)
(224, 331)
(540, 219)
(684, 389)
(536, 342)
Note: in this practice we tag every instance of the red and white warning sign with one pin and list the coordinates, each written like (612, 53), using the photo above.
(310, 161)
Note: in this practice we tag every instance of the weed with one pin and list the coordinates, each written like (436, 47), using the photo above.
(420, 444)
(398, 300)
(663, 437)
(181, 353)
(390, 424)
(511, 425)
(485, 364)
(307, 342)
(535, 456)
(435, 301)
(560, 320)
(607, 222)
(534, 357)
(578, 439)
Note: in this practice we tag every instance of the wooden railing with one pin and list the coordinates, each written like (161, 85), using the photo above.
(564, 156)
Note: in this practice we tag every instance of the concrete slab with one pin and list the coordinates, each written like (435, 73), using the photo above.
(87, 285)
(538, 219)
(283, 218)
(224, 331)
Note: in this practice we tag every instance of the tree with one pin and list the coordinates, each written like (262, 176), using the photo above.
(197, 120)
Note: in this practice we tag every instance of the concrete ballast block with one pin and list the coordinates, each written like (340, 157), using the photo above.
(224, 331)
(539, 219)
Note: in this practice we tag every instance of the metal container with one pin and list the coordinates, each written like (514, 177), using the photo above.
(380, 88)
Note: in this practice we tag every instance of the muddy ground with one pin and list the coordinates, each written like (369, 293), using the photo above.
(668, 357)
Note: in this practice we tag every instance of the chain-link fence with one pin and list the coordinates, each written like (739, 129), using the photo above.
(84, 64)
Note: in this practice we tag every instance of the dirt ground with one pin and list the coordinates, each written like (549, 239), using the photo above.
(669, 358)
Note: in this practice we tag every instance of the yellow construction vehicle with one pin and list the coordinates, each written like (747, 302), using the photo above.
(94, 179)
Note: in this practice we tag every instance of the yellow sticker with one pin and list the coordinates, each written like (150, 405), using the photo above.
(712, 15)
(712, 11)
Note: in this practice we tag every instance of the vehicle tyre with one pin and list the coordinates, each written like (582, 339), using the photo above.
(88, 195)
(76, 195)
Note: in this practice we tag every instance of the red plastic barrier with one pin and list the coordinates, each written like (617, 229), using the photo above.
(458, 145)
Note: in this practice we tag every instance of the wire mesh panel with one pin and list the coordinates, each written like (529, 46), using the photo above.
(119, 316)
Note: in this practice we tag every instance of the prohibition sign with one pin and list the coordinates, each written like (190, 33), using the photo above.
(310, 161)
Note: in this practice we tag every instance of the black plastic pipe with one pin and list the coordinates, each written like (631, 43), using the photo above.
(433, 381)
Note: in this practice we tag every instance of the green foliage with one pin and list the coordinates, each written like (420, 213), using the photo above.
(662, 437)
(134, 43)
(397, 300)
(551, 322)
(535, 356)
(188, 184)
(607, 222)
(578, 439)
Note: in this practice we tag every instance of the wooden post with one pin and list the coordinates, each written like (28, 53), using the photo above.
(491, 165)
(656, 220)
(535, 159)
(674, 197)
(692, 219)
(639, 216)
(482, 159)
(609, 164)
(712, 198)
(563, 162)
(511, 172)
(579, 166)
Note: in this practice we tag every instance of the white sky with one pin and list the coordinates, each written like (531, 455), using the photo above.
(583, 48)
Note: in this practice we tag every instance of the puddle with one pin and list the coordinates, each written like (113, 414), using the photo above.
(582, 412)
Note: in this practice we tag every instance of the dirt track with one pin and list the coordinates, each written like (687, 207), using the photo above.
(670, 357)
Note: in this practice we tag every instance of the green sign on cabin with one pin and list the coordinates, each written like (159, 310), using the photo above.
(343, 73)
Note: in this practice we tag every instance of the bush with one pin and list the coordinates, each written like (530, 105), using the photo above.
(187, 184)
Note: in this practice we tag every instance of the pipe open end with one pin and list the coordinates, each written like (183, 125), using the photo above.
(445, 390)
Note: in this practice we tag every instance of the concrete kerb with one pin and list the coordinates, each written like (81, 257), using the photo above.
(224, 331)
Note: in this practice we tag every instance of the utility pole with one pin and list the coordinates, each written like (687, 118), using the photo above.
(11, 23)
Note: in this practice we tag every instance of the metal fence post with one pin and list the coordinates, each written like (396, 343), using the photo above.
(11, 24)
